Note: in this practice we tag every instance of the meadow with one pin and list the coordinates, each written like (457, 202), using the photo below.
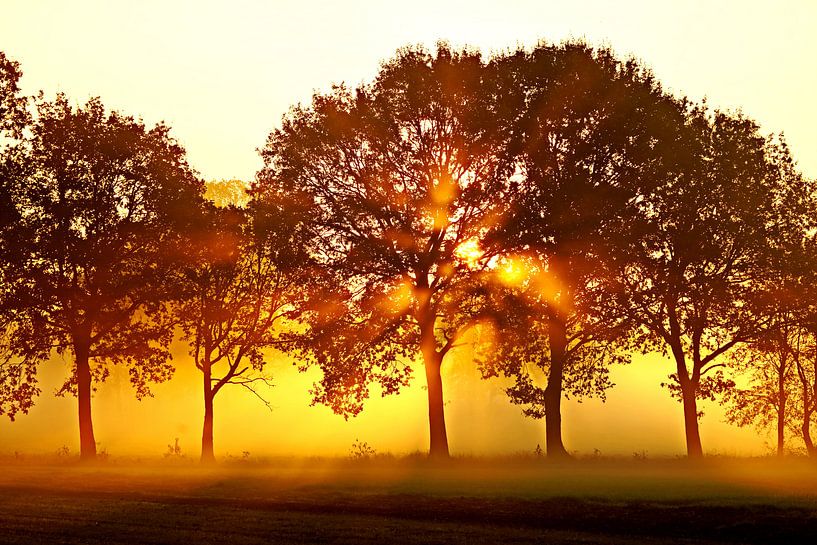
(409, 500)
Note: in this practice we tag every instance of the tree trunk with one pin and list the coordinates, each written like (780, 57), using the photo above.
(87, 442)
(781, 427)
(781, 407)
(809, 402)
(693, 436)
(689, 389)
(806, 429)
(438, 441)
(553, 391)
(432, 360)
(207, 455)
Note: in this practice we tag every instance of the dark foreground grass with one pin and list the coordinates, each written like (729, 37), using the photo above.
(411, 501)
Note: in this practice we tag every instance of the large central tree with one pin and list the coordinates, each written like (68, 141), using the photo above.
(395, 184)
(587, 133)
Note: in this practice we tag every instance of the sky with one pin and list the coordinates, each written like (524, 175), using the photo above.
(222, 74)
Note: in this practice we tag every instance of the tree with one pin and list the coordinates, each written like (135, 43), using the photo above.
(805, 364)
(243, 287)
(13, 119)
(99, 206)
(520, 346)
(17, 386)
(396, 185)
(767, 400)
(780, 394)
(586, 133)
(13, 113)
(705, 276)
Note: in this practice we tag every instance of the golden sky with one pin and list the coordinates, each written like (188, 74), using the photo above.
(222, 74)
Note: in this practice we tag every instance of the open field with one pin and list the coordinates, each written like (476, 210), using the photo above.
(411, 501)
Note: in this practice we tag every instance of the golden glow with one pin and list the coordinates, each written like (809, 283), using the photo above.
(484, 336)
(221, 66)
(525, 273)
(125, 426)
(513, 271)
(439, 218)
(445, 269)
(469, 252)
(548, 287)
(444, 191)
(400, 298)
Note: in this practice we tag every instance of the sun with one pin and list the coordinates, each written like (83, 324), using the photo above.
(513, 271)
(469, 252)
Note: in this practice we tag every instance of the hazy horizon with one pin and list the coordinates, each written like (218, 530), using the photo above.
(638, 417)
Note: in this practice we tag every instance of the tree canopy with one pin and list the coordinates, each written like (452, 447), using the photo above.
(17, 382)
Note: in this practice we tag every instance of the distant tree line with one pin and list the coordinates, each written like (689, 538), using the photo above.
(554, 207)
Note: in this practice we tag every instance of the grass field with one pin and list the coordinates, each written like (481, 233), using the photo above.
(408, 500)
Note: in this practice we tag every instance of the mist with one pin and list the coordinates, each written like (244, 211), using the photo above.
(638, 417)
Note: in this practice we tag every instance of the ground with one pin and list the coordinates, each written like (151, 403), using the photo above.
(409, 500)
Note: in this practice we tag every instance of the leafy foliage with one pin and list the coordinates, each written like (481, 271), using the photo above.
(241, 284)
(13, 106)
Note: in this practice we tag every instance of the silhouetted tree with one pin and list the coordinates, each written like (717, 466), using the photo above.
(768, 362)
(396, 184)
(779, 368)
(17, 385)
(706, 273)
(587, 132)
(247, 279)
(13, 119)
(520, 345)
(805, 364)
(99, 206)
(13, 113)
